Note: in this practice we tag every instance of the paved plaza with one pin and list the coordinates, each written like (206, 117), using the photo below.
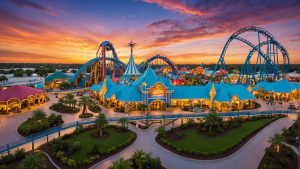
(246, 157)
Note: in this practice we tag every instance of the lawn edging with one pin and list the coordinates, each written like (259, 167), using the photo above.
(261, 129)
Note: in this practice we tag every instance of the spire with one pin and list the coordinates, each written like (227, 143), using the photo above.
(131, 66)
(104, 89)
(212, 92)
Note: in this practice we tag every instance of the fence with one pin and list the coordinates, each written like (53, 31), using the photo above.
(46, 133)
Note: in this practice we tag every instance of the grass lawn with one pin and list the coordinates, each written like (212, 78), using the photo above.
(204, 144)
(87, 142)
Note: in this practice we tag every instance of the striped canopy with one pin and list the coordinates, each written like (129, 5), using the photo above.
(131, 67)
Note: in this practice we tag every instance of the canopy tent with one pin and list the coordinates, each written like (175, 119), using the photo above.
(19, 92)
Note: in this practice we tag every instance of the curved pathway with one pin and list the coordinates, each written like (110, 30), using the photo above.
(248, 156)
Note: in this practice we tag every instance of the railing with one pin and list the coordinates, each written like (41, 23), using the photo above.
(46, 133)
(69, 90)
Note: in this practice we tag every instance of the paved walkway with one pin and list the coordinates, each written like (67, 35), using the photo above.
(247, 158)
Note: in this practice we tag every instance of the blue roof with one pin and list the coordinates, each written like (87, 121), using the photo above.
(296, 85)
(149, 77)
(255, 88)
(131, 67)
(166, 81)
(226, 91)
(125, 93)
(97, 87)
(282, 86)
(190, 92)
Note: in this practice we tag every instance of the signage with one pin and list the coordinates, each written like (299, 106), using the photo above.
(158, 91)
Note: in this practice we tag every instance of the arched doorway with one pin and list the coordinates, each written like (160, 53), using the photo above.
(158, 105)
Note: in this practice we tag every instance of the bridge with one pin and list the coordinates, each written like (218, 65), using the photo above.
(58, 129)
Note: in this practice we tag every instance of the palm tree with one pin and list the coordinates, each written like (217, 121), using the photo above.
(200, 121)
(276, 140)
(123, 121)
(73, 102)
(139, 158)
(161, 130)
(94, 104)
(33, 161)
(212, 118)
(84, 101)
(68, 98)
(121, 164)
(38, 115)
(61, 101)
(3, 79)
(101, 122)
(131, 45)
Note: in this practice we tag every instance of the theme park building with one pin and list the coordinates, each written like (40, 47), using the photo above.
(158, 93)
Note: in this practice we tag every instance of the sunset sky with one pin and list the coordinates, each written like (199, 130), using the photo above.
(187, 31)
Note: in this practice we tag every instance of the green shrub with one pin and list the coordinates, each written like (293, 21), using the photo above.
(290, 153)
(269, 160)
(197, 153)
(179, 149)
(60, 154)
(94, 149)
(72, 163)
(221, 151)
(185, 150)
(3, 167)
(19, 153)
(174, 146)
(269, 152)
(209, 133)
(220, 130)
(7, 158)
(65, 136)
(85, 162)
(203, 129)
(206, 154)
(214, 153)
(92, 159)
(64, 160)
(285, 161)
(113, 149)
(191, 152)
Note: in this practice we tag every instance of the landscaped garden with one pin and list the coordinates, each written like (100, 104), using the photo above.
(94, 107)
(66, 104)
(90, 144)
(140, 160)
(39, 122)
(85, 102)
(291, 133)
(212, 137)
(278, 155)
(21, 160)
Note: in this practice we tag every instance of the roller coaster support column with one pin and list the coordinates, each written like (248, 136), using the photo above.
(103, 63)
(76, 82)
(95, 72)
(85, 77)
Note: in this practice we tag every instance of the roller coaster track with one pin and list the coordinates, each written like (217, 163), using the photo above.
(164, 58)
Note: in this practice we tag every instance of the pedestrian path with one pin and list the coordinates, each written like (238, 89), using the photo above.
(248, 157)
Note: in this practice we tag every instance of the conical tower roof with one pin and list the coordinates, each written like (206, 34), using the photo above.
(131, 67)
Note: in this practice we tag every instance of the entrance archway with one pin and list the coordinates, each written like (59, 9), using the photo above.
(157, 105)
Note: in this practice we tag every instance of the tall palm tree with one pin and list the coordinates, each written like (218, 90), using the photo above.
(3, 79)
(161, 130)
(84, 101)
(73, 102)
(211, 119)
(101, 122)
(33, 161)
(121, 164)
(139, 158)
(38, 115)
(123, 121)
(276, 140)
(61, 101)
(68, 98)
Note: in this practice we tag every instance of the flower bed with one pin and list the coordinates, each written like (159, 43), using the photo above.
(14, 160)
(291, 133)
(207, 147)
(64, 109)
(30, 127)
(86, 115)
(285, 158)
(95, 109)
(91, 151)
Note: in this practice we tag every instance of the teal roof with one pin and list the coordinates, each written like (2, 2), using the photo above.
(131, 67)
(125, 93)
(190, 92)
(255, 88)
(226, 91)
(56, 75)
(282, 86)
(296, 85)
(97, 87)
(149, 77)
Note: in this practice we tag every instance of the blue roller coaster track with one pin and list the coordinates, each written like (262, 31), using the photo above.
(268, 66)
